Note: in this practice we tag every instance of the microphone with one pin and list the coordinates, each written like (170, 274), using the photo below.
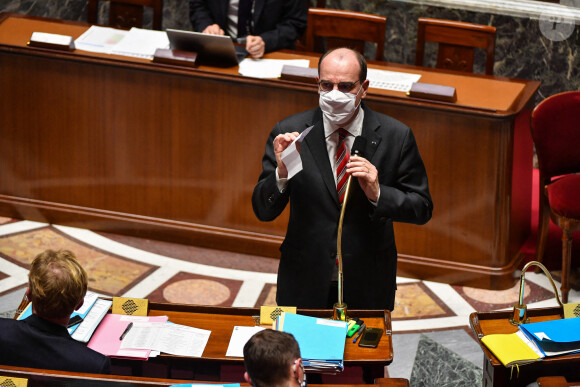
(340, 307)
(359, 144)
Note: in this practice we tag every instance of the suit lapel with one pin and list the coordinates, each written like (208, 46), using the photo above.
(370, 126)
(317, 145)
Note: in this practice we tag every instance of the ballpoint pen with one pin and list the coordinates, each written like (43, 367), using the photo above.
(360, 331)
(126, 331)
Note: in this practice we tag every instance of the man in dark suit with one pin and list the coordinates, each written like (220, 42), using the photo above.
(57, 286)
(389, 184)
(265, 25)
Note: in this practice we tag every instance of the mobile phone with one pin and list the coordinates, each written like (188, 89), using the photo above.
(371, 337)
(76, 319)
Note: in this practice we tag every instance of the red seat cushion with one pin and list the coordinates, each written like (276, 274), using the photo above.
(564, 196)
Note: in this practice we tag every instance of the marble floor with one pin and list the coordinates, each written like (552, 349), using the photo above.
(433, 344)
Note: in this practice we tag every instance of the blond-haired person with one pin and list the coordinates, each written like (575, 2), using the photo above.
(57, 285)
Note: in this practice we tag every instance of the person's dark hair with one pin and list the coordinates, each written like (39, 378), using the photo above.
(268, 357)
(57, 283)
(362, 75)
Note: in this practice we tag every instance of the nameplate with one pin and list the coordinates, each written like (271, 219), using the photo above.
(269, 314)
(299, 74)
(175, 57)
(130, 306)
(13, 382)
(431, 91)
(52, 41)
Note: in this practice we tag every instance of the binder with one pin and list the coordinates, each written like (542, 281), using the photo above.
(555, 337)
(535, 341)
(106, 338)
(321, 340)
(511, 348)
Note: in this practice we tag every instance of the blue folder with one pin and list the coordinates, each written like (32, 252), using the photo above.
(318, 338)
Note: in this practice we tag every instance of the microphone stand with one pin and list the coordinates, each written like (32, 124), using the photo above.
(339, 309)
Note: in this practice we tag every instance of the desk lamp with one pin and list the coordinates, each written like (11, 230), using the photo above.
(519, 315)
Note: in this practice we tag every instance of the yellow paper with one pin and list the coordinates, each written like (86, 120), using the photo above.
(15, 382)
(269, 313)
(510, 349)
(571, 310)
(130, 306)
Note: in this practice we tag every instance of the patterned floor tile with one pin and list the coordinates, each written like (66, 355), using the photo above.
(108, 274)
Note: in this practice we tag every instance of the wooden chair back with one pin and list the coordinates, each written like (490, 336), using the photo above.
(331, 28)
(457, 43)
(126, 13)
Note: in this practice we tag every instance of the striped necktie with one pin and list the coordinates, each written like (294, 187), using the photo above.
(342, 157)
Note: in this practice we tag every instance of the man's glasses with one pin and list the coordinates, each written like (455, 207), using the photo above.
(344, 87)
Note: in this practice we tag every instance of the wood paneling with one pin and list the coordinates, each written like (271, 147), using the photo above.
(127, 146)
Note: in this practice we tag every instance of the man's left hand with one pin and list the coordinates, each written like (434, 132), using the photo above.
(255, 46)
(367, 174)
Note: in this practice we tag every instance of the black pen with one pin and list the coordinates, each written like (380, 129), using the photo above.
(126, 331)
(360, 331)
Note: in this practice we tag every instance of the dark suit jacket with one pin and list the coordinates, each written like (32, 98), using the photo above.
(38, 343)
(368, 244)
(278, 22)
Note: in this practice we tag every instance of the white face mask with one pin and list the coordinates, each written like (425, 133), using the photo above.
(338, 107)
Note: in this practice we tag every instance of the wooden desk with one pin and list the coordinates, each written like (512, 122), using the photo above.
(42, 378)
(553, 381)
(123, 145)
(222, 320)
(496, 374)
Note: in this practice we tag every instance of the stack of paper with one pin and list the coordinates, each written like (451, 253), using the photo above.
(535, 341)
(321, 341)
(107, 338)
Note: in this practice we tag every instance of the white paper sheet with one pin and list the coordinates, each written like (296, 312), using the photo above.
(240, 336)
(170, 338)
(391, 80)
(268, 68)
(291, 157)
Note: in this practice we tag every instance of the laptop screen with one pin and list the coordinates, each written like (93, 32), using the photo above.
(216, 50)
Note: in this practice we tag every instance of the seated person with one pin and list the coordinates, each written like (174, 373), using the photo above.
(57, 285)
(264, 25)
(272, 358)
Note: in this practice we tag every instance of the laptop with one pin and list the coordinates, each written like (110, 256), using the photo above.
(216, 50)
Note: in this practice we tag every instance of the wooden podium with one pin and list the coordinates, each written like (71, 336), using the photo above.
(496, 374)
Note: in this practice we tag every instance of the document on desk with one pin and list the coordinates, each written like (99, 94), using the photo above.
(268, 68)
(88, 302)
(107, 338)
(291, 155)
(240, 336)
(92, 320)
(141, 43)
(391, 80)
(100, 39)
(170, 338)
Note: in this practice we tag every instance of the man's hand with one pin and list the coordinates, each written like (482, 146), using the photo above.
(367, 174)
(255, 46)
(281, 142)
(213, 29)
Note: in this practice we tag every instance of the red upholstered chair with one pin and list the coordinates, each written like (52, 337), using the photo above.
(556, 134)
